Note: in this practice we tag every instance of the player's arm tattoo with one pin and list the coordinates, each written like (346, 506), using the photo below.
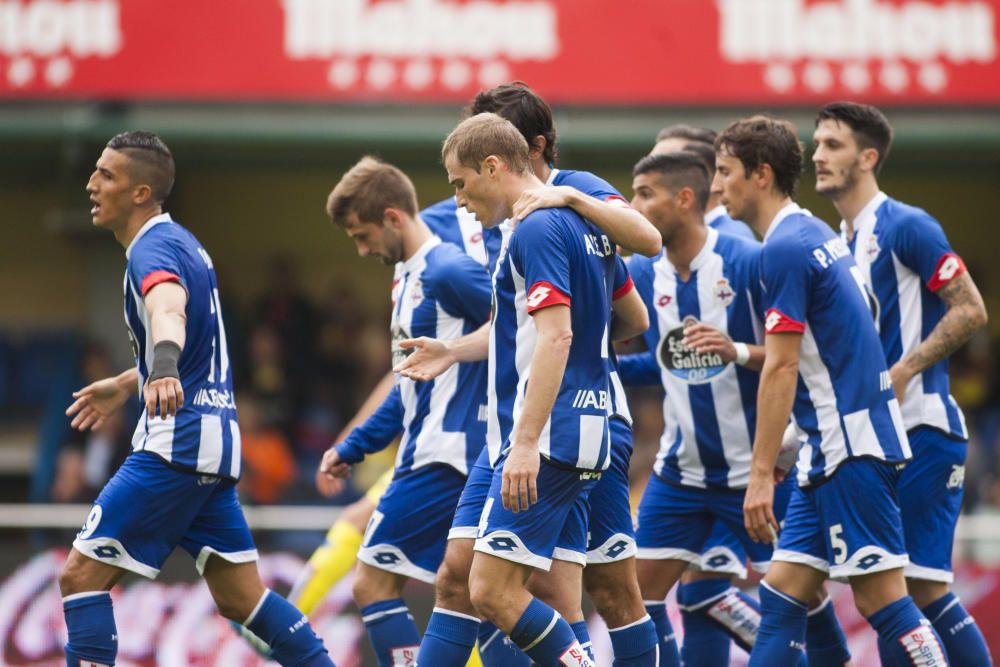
(965, 316)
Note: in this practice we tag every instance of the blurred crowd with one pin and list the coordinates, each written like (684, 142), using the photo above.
(303, 366)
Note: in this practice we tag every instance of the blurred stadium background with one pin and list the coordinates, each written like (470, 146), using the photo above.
(266, 103)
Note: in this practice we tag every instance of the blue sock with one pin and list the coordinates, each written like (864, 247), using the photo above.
(583, 636)
(905, 637)
(636, 644)
(449, 639)
(392, 632)
(545, 636)
(826, 644)
(287, 632)
(669, 657)
(706, 642)
(497, 650)
(782, 634)
(90, 623)
(958, 632)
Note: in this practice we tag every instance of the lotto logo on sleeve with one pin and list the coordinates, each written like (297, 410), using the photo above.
(777, 322)
(949, 266)
(543, 294)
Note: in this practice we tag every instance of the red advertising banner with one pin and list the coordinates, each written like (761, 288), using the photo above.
(913, 52)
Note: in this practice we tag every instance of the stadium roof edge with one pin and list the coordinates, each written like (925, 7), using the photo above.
(316, 124)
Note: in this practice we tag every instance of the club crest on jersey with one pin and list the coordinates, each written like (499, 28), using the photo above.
(415, 292)
(723, 292)
(873, 248)
(681, 361)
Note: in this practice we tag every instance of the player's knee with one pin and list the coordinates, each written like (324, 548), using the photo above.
(69, 578)
(925, 592)
(452, 583)
(486, 597)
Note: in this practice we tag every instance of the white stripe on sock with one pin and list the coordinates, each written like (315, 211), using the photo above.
(260, 603)
(458, 614)
(382, 614)
(539, 638)
(88, 594)
(631, 625)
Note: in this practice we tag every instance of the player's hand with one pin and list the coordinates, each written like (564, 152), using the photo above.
(901, 377)
(519, 490)
(327, 486)
(547, 196)
(430, 358)
(332, 466)
(165, 393)
(706, 339)
(95, 403)
(758, 509)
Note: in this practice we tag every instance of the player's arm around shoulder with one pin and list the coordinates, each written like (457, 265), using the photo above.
(623, 224)
(166, 304)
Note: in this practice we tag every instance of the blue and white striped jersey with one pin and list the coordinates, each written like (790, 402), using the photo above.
(844, 404)
(456, 225)
(710, 406)
(459, 227)
(905, 257)
(553, 257)
(719, 220)
(443, 294)
(204, 436)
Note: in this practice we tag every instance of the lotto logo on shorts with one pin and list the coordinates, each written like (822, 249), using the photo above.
(616, 549)
(923, 648)
(405, 656)
(87, 663)
(502, 544)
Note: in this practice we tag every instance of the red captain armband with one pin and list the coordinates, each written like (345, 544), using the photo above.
(777, 322)
(949, 267)
(157, 277)
(615, 200)
(543, 294)
(623, 290)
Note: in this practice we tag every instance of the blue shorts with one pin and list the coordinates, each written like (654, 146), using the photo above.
(849, 525)
(465, 525)
(408, 531)
(555, 527)
(724, 553)
(676, 521)
(611, 536)
(148, 508)
(930, 499)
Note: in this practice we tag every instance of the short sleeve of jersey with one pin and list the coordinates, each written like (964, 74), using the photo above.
(152, 261)
(540, 253)
(463, 288)
(921, 245)
(786, 275)
(623, 281)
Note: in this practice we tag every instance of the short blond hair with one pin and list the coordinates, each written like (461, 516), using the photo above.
(368, 189)
(485, 134)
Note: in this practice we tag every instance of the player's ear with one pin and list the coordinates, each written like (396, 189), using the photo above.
(868, 158)
(392, 218)
(491, 165)
(537, 147)
(141, 195)
(763, 176)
